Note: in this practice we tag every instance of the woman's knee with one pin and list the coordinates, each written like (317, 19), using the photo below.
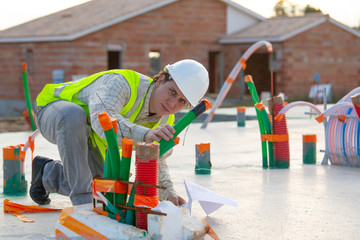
(74, 119)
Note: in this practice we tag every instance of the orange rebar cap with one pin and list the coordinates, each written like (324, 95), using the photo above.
(320, 118)
(24, 67)
(127, 146)
(207, 103)
(105, 121)
(114, 124)
(309, 138)
(342, 118)
(279, 117)
(202, 147)
(176, 141)
(230, 80)
(9, 153)
(260, 106)
(248, 78)
(241, 109)
(243, 63)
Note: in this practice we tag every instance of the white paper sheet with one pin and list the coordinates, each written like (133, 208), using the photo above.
(209, 200)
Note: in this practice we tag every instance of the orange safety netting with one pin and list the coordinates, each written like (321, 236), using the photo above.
(149, 201)
(211, 232)
(10, 206)
(260, 106)
(109, 185)
(78, 227)
(342, 118)
(275, 137)
(15, 209)
(320, 118)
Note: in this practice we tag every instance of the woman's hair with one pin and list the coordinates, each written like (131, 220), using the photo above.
(166, 74)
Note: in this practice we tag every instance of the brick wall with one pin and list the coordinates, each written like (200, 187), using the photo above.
(231, 55)
(325, 49)
(257, 66)
(184, 29)
(11, 72)
(189, 29)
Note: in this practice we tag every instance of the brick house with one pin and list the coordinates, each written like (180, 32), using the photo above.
(302, 46)
(146, 35)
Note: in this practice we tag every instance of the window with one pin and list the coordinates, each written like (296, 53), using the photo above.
(155, 61)
(114, 60)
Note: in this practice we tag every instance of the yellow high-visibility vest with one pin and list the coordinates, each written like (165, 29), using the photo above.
(68, 91)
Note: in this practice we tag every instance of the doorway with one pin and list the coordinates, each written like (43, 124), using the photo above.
(258, 66)
(215, 72)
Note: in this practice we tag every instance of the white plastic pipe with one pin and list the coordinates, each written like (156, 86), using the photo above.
(241, 64)
(32, 136)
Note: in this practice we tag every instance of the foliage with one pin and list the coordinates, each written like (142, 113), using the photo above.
(310, 9)
(284, 8)
(289, 9)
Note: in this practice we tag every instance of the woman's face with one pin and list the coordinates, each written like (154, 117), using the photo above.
(166, 98)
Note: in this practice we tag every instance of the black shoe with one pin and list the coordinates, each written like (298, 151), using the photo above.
(37, 190)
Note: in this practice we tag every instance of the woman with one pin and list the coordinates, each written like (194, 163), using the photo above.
(68, 116)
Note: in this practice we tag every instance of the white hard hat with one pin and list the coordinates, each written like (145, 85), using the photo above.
(191, 77)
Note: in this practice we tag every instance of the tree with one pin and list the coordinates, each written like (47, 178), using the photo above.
(310, 9)
(289, 9)
(285, 8)
(279, 9)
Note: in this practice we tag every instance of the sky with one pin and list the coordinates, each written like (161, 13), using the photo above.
(14, 12)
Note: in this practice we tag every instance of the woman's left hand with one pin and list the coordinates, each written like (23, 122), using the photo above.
(176, 200)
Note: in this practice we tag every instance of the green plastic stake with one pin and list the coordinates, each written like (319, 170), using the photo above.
(107, 166)
(183, 123)
(112, 146)
(27, 96)
(130, 214)
(127, 145)
(113, 156)
(268, 130)
(264, 124)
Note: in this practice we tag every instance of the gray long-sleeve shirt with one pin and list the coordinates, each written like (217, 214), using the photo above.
(110, 93)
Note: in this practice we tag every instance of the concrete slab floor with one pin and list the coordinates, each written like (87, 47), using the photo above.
(302, 202)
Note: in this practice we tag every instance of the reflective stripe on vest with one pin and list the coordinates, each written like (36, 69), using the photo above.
(67, 91)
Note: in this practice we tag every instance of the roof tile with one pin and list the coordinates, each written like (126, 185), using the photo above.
(275, 28)
(78, 18)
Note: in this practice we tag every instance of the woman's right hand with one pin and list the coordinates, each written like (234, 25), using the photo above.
(162, 132)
